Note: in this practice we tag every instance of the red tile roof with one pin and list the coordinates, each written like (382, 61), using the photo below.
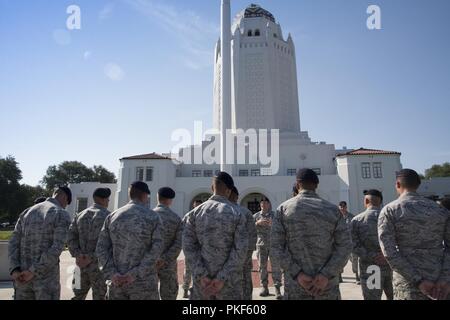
(368, 152)
(150, 156)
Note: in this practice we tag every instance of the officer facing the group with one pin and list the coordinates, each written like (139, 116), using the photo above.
(353, 258)
(172, 234)
(36, 245)
(215, 243)
(247, 282)
(367, 247)
(263, 221)
(312, 242)
(82, 242)
(129, 246)
(414, 234)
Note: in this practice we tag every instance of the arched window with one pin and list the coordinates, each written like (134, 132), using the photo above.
(257, 33)
(249, 33)
(275, 35)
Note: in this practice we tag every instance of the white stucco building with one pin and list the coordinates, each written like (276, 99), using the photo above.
(82, 196)
(263, 94)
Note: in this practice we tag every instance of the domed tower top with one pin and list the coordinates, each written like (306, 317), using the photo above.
(254, 18)
(255, 11)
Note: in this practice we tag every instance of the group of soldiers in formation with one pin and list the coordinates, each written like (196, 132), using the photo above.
(131, 254)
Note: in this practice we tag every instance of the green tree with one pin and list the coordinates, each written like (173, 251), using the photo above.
(10, 176)
(102, 175)
(438, 171)
(75, 172)
(14, 197)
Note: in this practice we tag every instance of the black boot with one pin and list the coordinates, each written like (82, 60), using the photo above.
(264, 292)
(278, 293)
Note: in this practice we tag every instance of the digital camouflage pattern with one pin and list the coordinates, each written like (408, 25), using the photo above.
(36, 245)
(366, 246)
(172, 236)
(414, 234)
(82, 240)
(130, 243)
(247, 282)
(309, 235)
(215, 244)
(263, 251)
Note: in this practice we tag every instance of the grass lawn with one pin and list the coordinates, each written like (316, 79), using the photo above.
(5, 235)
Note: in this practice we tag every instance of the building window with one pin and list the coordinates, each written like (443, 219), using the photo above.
(366, 170)
(318, 171)
(243, 173)
(275, 35)
(208, 173)
(249, 33)
(149, 174)
(257, 33)
(377, 170)
(292, 172)
(139, 174)
(255, 172)
(196, 173)
(82, 204)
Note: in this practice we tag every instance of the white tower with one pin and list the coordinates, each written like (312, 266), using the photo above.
(225, 80)
(264, 88)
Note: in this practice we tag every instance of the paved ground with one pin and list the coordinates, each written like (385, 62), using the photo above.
(349, 290)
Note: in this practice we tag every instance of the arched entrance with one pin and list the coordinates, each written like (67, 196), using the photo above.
(252, 202)
(200, 197)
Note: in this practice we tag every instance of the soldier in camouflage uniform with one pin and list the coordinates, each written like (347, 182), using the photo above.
(312, 242)
(128, 247)
(215, 243)
(414, 234)
(263, 220)
(247, 282)
(172, 234)
(36, 245)
(187, 276)
(348, 217)
(367, 247)
(82, 242)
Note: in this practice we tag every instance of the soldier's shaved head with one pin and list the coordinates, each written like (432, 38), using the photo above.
(408, 179)
(372, 201)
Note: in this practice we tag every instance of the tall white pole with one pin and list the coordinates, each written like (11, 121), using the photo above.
(226, 82)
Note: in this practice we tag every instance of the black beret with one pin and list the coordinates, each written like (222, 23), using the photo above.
(307, 175)
(166, 193)
(373, 192)
(141, 186)
(103, 193)
(235, 190)
(67, 191)
(226, 179)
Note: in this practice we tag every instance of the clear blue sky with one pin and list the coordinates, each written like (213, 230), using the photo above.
(139, 69)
